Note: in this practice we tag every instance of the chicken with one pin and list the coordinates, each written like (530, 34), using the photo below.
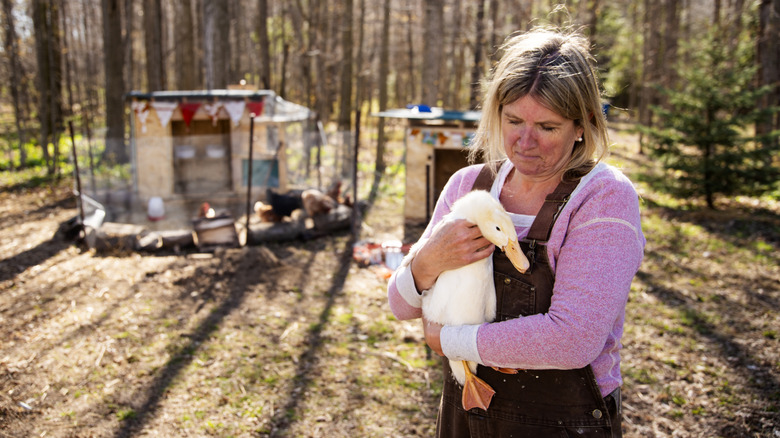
(205, 211)
(316, 203)
(283, 204)
(265, 213)
(467, 295)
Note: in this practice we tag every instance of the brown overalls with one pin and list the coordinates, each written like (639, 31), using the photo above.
(532, 403)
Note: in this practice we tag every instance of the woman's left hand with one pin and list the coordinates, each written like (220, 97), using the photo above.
(432, 331)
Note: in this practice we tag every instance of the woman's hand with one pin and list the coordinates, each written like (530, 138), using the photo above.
(453, 244)
(432, 332)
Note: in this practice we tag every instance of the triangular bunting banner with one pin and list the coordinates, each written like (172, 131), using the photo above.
(188, 111)
(164, 111)
(212, 109)
(141, 110)
(235, 110)
(255, 108)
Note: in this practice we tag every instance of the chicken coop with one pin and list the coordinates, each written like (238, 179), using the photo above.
(191, 147)
(436, 143)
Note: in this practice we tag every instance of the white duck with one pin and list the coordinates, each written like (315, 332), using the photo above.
(467, 295)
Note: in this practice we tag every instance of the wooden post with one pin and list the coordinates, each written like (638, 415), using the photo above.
(355, 218)
(249, 176)
(78, 177)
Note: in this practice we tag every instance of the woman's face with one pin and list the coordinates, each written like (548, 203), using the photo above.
(538, 141)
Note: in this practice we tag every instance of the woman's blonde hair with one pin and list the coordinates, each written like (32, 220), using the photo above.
(558, 71)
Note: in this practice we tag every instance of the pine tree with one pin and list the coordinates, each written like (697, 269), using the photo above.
(705, 133)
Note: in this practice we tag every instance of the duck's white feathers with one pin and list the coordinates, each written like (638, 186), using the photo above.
(467, 295)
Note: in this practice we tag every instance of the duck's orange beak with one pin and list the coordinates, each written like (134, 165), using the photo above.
(518, 259)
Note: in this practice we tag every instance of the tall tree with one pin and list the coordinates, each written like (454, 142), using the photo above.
(153, 43)
(113, 63)
(345, 98)
(477, 67)
(768, 51)
(384, 70)
(701, 136)
(127, 43)
(671, 37)
(456, 56)
(47, 48)
(16, 73)
(651, 65)
(185, 53)
(264, 45)
(216, 43)
(66, 56)
(90, 20)
(433, 41)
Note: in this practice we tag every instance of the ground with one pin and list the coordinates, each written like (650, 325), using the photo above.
(295, 339)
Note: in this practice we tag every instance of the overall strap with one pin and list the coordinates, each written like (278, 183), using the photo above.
(485, 178)
(553, 204)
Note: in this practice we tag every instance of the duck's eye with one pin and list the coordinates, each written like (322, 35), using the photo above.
(498, 228)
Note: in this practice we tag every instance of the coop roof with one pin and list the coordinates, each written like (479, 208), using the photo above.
(275, 109)
(425, 113)
(201, 95)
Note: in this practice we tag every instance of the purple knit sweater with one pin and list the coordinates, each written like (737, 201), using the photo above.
(595, 248)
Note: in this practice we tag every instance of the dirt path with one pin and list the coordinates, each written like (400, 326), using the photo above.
(295, 340)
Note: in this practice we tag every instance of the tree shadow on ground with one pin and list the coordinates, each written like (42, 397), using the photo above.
(280, 423)
(153, 394)
(12, 266)
(759, 377)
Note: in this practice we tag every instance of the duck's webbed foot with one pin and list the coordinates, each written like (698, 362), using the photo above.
(506, 370)
(476, 393)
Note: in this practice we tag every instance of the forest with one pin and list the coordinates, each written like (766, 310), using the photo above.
(75, 61)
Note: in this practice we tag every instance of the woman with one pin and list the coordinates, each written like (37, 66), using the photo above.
(543, 135)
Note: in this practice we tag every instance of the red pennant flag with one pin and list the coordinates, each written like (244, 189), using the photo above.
(255, 108)
(188, 110)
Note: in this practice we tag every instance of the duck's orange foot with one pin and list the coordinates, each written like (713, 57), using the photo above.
(506, 370)
(476, 393)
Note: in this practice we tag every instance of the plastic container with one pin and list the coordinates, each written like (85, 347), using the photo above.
(393, 254)
(156, 209)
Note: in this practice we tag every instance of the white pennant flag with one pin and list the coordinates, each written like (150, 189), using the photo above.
(141, 110)
(212, 109)
(164, 111)
(235, 109)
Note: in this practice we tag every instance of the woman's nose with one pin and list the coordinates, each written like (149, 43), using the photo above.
(524, 139)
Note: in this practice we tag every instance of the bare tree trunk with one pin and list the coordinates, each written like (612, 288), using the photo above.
(458, 50)
(265, 49)
(432, 51)
(305, 47)
(410, 41)
(47, 43)
(216, 43)
(283, 65)
(769, 62)
(66, 56)
(360, 79)
(477, 68)
(650, 65)
(494, 28)
(127, 43)
(115, 151)
(155, 67)
(186, 66)
(345, 98)
(324, 65)
(384, 72)
(17, 72)
(89, 17)
(671, 42)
